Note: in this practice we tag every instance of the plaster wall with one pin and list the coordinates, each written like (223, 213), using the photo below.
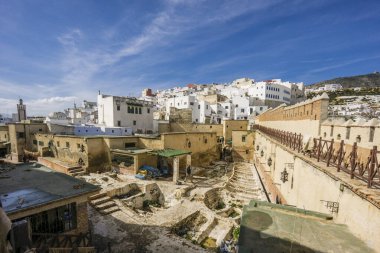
(182, 127)
(338, 133)
(309, 186)
(231, 125)
(243, 145)
(203, 146)
(4, 133)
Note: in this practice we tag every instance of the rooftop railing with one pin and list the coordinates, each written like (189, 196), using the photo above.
(342, 156)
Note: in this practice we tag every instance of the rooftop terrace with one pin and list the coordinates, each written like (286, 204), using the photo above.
(272, 228)
(30, 185)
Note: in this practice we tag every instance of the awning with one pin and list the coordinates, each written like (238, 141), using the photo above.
(170, 152)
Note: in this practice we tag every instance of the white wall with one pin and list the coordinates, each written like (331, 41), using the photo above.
(308, 187)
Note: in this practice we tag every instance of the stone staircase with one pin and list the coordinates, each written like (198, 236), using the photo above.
(76, 171)
(103, 204)
(243, 184)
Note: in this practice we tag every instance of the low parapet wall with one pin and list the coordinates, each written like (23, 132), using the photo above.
(55, 164)
(304, 117)
(308, 184)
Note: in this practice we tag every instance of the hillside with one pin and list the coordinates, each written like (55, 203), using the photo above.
(368, 80)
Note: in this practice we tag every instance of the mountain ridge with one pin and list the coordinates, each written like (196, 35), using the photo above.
(366, 80)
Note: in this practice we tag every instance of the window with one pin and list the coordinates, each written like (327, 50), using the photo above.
(196, 120)
(136, 110)
(56, 220)
(129, 145)
(134, 122)
(243, 138)
(78, 145)
(331, 131)
(226, 107)
(207, 107)
(371, 133)
(35, 142)
(20, 135)
(118, 123)
(140, 111)
(205, 140)
(58, 144)
(67, 144)
(41, 143)
(199, 106)
(112, 131)
(242, 110)
(348, 132)
(118, 107)
(40, 130)
(148, 110)
(191, 103)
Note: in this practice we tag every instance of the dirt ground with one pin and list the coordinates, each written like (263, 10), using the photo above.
(129, 230)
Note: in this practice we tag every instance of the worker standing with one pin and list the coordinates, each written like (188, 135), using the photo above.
(188, 174)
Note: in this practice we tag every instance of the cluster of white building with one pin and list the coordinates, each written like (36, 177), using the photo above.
(326, 87)
(206, 103)
(242, 99)
(357, 107)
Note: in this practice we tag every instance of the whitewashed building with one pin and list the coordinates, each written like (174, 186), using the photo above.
(116, 111)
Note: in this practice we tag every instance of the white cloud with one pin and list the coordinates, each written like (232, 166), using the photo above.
(70, 38)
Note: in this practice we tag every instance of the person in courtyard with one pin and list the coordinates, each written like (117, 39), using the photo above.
(189, 174)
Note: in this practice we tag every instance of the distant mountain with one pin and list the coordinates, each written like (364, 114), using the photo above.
(368, 80)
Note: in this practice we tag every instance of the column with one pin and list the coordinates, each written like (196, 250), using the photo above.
(175, 169)
(188, 160)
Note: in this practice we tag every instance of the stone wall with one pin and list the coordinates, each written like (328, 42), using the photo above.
(180, 115)
(303, 118)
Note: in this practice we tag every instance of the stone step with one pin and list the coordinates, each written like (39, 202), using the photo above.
(247, 196)
(99, 201)
(109, 210)
(242, 179)
(105, 205)
(80, 169)
(74, 168)
(78, 174)
(97, 196)
(242, 190)
(248, 183)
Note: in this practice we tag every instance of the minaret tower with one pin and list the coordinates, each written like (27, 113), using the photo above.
(21, 111)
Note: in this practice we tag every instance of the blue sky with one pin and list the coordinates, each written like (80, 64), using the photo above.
(53, 53)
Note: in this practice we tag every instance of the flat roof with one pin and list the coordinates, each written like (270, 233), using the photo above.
(170, 152)
(131, 151)
(30, 185)
(271, 228)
